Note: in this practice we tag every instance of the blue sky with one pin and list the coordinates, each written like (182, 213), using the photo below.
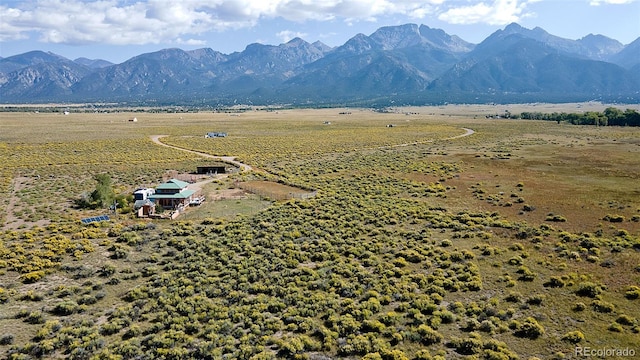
(116, 30)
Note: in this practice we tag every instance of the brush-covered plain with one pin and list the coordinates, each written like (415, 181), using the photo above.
(519, 241)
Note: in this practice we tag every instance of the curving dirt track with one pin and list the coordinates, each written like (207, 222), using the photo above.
(245, 167)
(229, 159)
(467, 132)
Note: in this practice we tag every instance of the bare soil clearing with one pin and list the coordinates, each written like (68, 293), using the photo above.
(12, 221)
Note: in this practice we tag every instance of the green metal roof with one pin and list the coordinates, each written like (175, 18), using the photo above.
(173, 184)
(181, 195)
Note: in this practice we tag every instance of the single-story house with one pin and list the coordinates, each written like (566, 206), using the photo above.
(173, 194)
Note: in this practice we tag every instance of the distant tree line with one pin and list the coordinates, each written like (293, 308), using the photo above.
(609, 117)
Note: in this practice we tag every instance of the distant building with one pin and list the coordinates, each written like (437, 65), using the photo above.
(215, 134)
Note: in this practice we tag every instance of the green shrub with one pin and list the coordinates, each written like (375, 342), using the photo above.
(373, 326)
(554, 282)
(133, 331)
(589, 289)
(119, 251)
(525, 274)
(423, 354)
(615, 327)
(632, 293)
(614, 218)
(4, 295)
(393, 354)
(487, 326)
(535, 299)
(529, 329)
(65, 308)
(7, 339)
(32, 296)
(516, 260)
(467, 346)
(429, 336)
(87, 300)
(107, 270)
(389, 318)
(625, 320)
(35, 317)
(130, 238)
(447, 317)
(555, 218)
(112, 327)
(602, 306)
(514, 297)
(32, 277)
(573, 337)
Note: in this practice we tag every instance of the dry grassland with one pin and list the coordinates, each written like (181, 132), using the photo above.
(521, 240)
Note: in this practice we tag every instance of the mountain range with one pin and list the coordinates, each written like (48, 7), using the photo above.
(405, 64)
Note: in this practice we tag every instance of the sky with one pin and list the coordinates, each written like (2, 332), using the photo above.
(117, 30)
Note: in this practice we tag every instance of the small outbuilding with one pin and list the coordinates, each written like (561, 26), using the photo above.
(216, 169)
(145, 208)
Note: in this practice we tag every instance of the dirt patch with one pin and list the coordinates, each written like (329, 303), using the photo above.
(274, 190)
(12, 221)
(227, 194)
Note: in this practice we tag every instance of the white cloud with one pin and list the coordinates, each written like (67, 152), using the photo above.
(613, 2)
(9, 29)
(139, 22)
(287, 35)
(499, 12)
(191, 42)
(156, 21)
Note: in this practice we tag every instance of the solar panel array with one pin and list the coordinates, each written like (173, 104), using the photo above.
(94, 219)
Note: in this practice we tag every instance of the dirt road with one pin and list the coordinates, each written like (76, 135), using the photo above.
(229, 159)
(245, 167)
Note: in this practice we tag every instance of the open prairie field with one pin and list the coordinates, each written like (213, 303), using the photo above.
(432, 233)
